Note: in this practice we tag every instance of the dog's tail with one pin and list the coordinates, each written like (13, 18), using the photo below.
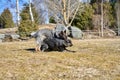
(33, 35)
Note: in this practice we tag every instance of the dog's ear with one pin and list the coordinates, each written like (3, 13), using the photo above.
(62, 33)
(65, 31)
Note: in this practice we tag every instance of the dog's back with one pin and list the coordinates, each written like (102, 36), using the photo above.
(45, 32)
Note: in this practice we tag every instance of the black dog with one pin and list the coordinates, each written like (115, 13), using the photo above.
(55, 44)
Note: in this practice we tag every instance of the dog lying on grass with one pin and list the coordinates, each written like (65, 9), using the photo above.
(55, 44)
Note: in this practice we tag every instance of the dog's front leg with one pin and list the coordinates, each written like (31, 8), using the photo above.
(37, 48)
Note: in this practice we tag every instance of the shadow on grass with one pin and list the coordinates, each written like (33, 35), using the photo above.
(30, 49)
(70, 51)
(33, 50)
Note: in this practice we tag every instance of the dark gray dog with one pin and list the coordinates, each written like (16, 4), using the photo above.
(55, 44)
(42, 34)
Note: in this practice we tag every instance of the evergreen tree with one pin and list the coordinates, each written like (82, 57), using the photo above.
(26, 25)
(25, 15)
(95, 1)
(6, 19)
(113, 0)
(1, 23)
(52, 20)
(83, 19)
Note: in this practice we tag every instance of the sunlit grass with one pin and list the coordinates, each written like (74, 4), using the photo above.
(97, 59)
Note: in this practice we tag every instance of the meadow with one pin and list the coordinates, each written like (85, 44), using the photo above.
(93, 59)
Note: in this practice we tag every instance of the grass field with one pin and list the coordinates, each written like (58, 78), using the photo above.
(95, 59)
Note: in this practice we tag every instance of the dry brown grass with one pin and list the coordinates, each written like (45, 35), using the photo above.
(8, 30)
(97, 59)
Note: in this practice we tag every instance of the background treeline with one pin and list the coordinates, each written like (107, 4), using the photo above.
(87, 19)
(26, 26)
(90, 17)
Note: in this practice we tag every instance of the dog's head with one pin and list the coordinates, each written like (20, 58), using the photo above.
(62, 35)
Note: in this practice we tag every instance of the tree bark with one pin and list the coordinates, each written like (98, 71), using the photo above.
(30, 10)
(102, 34)
(17, 12)
(74, 16)
(118, 15)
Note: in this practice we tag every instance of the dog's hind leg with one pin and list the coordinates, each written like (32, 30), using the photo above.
(39, 40)
(37, 48)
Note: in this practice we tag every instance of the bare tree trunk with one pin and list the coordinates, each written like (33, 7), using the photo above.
(118, 22)
(102, 34)
(30, 10)
(74, 15)
(117, 6)
(17, 12)
(64, 12)
(68, 15)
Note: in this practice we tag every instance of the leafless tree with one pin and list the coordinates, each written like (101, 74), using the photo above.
(17, 12)
(63, 11)
(102, 25)
(40, 8)
(117, 7)
(30, 10)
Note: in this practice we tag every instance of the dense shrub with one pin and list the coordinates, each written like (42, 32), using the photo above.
(6, 19)
(26, 27)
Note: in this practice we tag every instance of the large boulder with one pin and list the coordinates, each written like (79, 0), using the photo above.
(11, 37)
(15, 36)
(71, 31)
(75, 32)
(61, 27)
(2, 36)
(0, 40)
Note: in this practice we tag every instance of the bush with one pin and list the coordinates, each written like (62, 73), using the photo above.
(6, 19)
(26, 27)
